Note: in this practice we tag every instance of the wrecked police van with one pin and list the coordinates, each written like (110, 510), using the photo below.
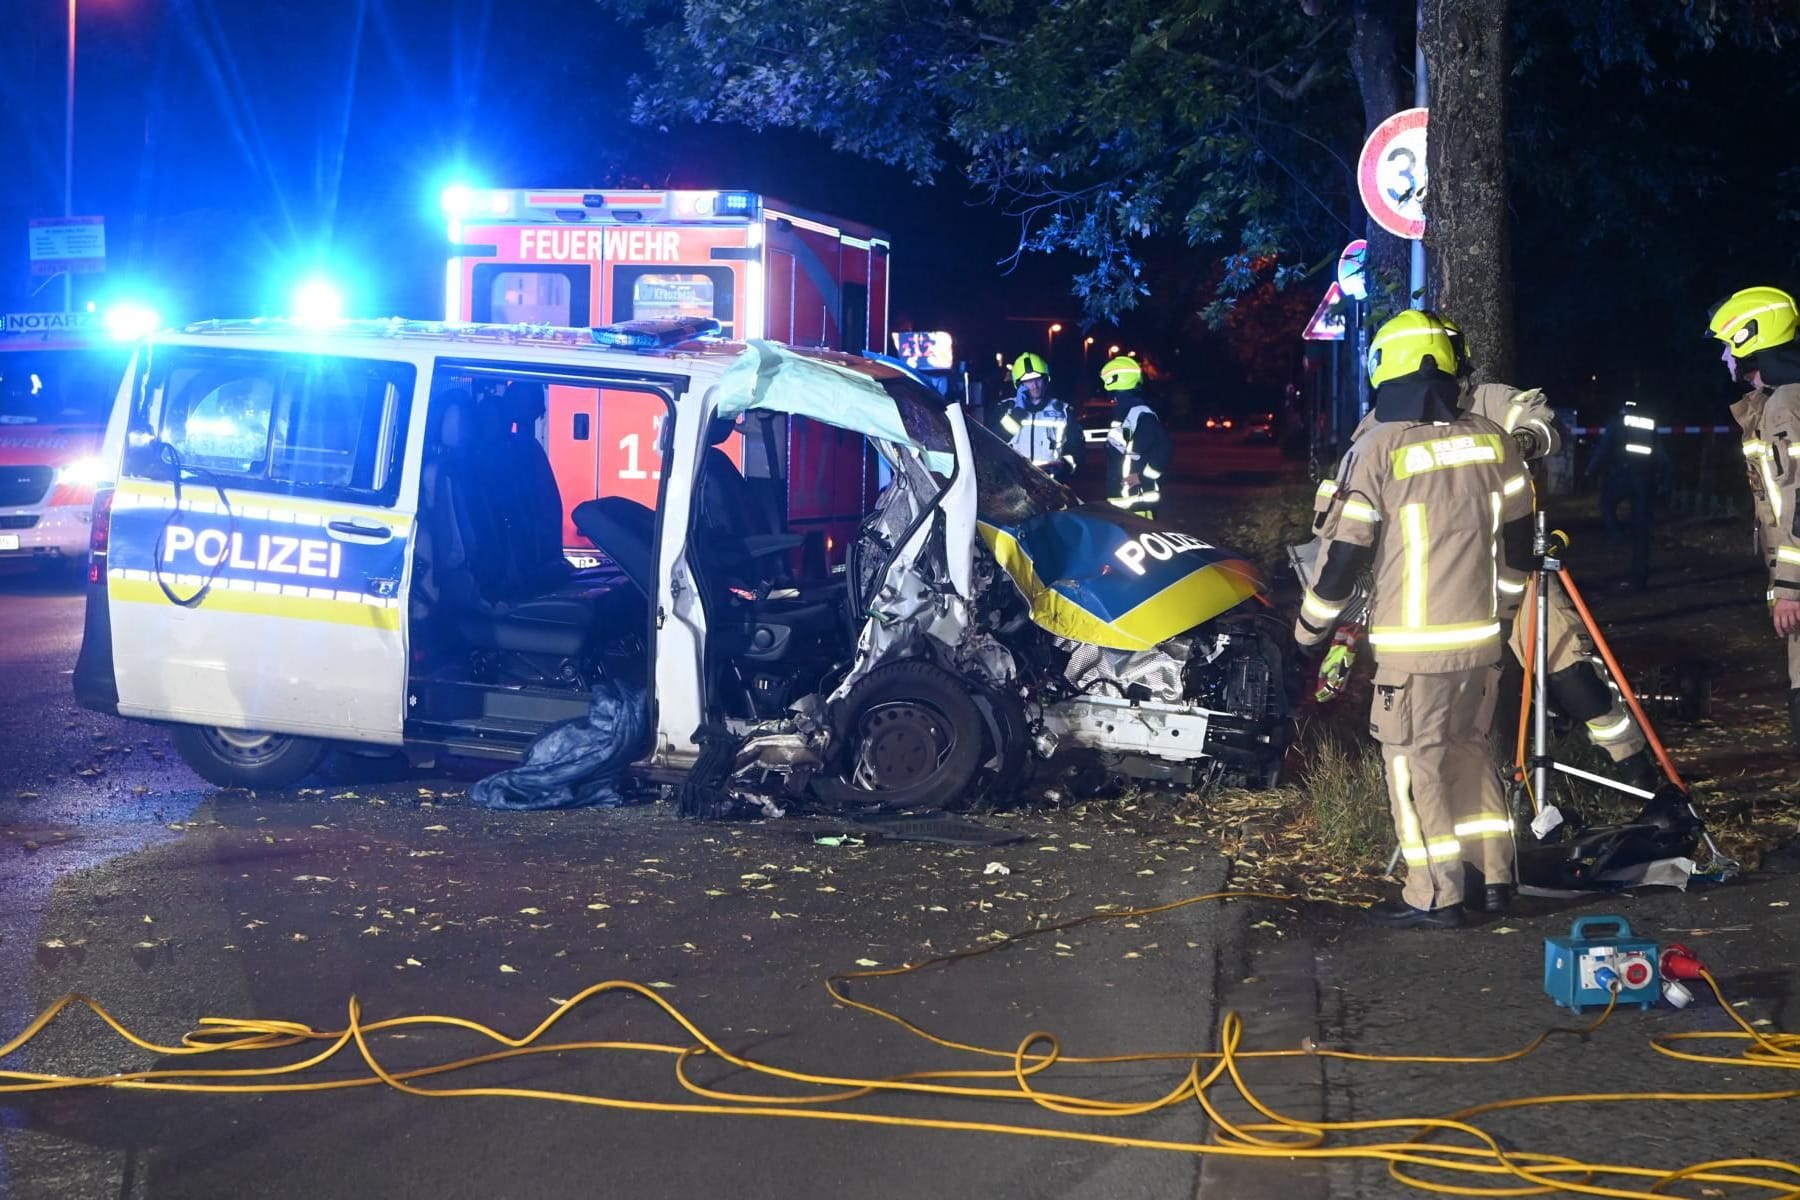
(349, 538)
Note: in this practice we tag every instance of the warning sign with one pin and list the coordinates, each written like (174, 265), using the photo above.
(1327, 324)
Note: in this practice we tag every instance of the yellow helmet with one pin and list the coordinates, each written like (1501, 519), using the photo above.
(1754, 319)
(1029, 366)
(1411, 342)
(1121, 374)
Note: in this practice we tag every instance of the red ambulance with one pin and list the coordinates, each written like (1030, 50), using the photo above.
(758, 266)
(59, 375)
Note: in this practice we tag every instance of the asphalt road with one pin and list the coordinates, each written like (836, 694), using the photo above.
(125, 878)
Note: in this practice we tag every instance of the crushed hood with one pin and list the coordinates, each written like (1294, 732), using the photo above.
(1111, 579)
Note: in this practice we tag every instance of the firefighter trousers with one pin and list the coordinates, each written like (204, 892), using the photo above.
(1447, 803)
(1577, 685)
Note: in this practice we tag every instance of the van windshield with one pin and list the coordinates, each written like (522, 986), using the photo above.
(72, 386)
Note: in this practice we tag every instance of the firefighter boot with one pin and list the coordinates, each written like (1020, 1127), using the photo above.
(1794, 713)
(1638, 770)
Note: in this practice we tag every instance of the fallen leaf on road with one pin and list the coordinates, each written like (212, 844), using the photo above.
(149, 920)
(867, 962)
(531, 912)
(596, 907)
(299, 937)
(660, 986)
(1146, 871)
(1779, 903)
(825, 889)
(313, 879)
(437, 829)
(413, 962)
(997, 868)
(54, 944)
(1132, 954)
(506, 970)
(373, 929)
(1506, 929)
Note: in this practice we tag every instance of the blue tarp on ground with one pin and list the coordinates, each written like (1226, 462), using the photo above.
(577, 763)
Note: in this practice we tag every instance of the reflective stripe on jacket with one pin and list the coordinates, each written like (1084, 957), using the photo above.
(1136, 444)
(1430, 499)
(1041, 437)
(1771, 425)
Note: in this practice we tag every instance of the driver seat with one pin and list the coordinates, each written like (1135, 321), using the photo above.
(470, 549)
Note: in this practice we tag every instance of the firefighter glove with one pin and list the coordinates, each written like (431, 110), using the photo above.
(1527, 442)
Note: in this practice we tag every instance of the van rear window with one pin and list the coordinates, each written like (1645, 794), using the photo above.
(299, 424)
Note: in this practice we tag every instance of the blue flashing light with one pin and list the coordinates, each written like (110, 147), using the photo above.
(655, 335)
(130, 321)
(457, 200)
(737, 204)
(317, 302)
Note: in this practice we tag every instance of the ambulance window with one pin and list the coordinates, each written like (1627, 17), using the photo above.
(512, 295)
(853, 322)
(654, 294)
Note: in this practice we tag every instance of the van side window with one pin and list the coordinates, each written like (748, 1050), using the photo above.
(279, 423)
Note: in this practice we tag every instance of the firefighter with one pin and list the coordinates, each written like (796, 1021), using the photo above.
(1137, 446)
(1040, 427)
(1578, 686)
(1758, 326)
(1436, 502)
(1628, 458)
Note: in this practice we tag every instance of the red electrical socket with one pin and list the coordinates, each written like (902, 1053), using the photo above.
(1678, 962)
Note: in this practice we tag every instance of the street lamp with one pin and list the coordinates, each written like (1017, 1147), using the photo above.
(1113, 351)
(1055, 328)
(69, 153)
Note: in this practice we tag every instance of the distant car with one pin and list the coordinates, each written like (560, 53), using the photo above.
(1220, 423)
(1260, 428)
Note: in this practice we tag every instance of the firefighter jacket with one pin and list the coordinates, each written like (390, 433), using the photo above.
(1518, 412)
(1771, 425)
(1629, 447)
(1439, 511)
(1047, 437)
(1136, 444)
(1512, 409)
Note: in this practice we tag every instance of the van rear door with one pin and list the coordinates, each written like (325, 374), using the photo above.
(261, 541)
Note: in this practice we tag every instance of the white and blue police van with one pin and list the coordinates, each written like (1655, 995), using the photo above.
(351, 536)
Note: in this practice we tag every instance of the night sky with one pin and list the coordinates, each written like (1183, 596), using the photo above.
(235, 146)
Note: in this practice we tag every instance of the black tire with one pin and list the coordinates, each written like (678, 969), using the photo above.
(928, 734)
(247, 759)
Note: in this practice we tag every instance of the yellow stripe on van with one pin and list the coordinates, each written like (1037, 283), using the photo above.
(222, 598)
(260, 505)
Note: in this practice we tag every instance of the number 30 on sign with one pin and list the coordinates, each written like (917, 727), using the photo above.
(1390, 174)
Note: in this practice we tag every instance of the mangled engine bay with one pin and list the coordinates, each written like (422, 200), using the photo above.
(1006, 625)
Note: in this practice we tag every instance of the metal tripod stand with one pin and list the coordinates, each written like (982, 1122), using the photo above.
(1535, 770)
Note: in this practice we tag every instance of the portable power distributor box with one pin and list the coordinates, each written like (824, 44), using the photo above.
(1581, 970)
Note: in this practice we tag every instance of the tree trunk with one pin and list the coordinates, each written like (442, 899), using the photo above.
(1375, 61)
(1468, 57)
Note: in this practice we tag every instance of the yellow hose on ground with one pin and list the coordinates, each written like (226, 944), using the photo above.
(1474, 1165)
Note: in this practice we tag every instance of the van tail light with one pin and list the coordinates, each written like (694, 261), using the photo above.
(99, 531)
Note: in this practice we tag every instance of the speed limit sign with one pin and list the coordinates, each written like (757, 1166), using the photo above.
(1390, 174)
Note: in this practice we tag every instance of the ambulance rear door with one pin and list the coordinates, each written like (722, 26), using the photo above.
(261, 539)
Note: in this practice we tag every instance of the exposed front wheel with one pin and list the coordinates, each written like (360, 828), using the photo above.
(907, 736)
(245, 758)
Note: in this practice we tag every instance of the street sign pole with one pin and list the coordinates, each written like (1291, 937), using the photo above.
(1421, 99)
